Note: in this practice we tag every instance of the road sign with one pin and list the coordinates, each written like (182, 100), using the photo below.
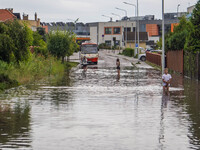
(136, 45)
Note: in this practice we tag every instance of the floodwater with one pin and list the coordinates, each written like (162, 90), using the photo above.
(96, 110)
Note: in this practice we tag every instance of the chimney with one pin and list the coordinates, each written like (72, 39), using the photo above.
(10, 9)
(25, 16)
(35, 16)
(38, 22)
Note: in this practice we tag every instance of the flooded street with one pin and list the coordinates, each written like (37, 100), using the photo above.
(96, 110)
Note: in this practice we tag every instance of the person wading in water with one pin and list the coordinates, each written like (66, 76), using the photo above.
(118, 67)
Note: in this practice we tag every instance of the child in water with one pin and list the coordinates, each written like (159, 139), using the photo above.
(118, 66)
(166, 78)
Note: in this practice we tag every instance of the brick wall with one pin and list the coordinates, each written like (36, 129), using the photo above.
(175, 60)
(153, 58)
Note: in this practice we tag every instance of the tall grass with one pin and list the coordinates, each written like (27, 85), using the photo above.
(36, 68)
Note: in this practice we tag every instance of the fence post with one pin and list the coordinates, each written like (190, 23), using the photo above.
(198, 70)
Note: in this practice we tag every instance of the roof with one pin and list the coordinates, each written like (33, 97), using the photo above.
(17, 15)
(131, 36)
(6, 15)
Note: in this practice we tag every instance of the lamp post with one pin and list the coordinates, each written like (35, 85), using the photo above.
(120, 44)
(111, 28)
(178, 8)
(126, 22)
(136, 23)
(163, 37)
(74, 23)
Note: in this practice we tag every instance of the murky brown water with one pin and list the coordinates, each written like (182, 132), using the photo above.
(93, 110)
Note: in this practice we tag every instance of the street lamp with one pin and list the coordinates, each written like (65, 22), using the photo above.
(126, 22)
(74, 23)
(178, 8)
(136, 23)
(163, 37)
(111, 28)
(120, 44)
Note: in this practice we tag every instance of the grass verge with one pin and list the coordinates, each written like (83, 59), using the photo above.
(37, 68)
(154, 66)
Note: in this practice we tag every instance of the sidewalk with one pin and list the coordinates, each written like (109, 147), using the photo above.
(137, 63)
(74, 57)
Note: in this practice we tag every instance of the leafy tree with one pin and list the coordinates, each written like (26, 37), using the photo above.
(42, 32)
(61, 44)
(193, 40)
(176, 40)
(6, 48)
(22, 38)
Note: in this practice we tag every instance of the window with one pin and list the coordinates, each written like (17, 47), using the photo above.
(108, 43)
(108, 30)
(117, 43)
(117, 30)
(128, 29)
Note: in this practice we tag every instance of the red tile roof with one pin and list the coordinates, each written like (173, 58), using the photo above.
(6, 15)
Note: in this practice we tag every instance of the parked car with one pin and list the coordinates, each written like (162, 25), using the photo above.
(142, 57)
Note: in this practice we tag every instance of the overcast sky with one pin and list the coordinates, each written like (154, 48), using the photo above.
(90, 10)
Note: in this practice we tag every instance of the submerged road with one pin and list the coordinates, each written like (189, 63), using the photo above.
(95, 110)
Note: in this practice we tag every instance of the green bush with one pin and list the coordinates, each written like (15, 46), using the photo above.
(128, 52)
(104, 46)
(6, 82)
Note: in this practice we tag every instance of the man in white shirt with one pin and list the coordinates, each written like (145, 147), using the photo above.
(166, 80)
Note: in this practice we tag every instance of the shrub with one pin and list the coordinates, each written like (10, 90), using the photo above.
(128, 52)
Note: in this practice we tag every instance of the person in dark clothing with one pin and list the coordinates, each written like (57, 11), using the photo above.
(118, 66)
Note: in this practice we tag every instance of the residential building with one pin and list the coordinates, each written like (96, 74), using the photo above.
(150, 30)
(6, 15)
(111, 33)
(32, 24)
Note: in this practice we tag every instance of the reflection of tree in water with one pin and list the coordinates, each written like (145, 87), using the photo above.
(192, 100)
(63, 95)
(14, 124)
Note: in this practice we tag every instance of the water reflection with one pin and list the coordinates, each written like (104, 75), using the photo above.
(192, 100)
(106, 112)
(15, 126)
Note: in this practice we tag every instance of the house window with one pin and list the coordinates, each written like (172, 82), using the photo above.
(108, 30)
(128, 29)
(117, 30)
(117, 42)
(108, 43)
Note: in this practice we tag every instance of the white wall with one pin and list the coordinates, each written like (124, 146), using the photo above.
(93, 34)
(155, 39)
(102, 25)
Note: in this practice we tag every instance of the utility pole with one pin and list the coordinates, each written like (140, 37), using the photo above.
(163, 37)
(138, 27)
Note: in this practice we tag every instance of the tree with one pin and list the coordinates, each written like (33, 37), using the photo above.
(176, 40)
(7, 48)
(15, 41)
(193, 40)
(61, 44)
(42, 32)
